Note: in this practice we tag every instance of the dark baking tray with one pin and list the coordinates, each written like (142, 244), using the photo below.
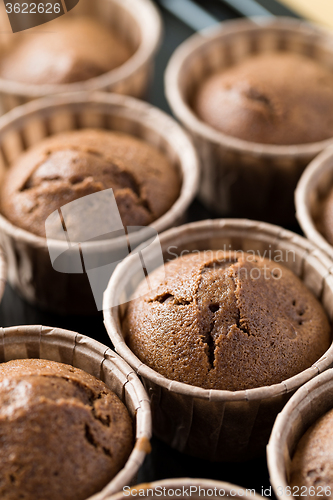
(163, 462)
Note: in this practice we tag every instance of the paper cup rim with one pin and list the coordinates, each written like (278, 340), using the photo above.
(187, 482)
(188, 117)
(26, 333)
(148, 115)
(258, 393)
(150, 42)
(275, 472)
(312, 174)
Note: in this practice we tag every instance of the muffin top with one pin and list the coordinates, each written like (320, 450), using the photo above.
(226, 321)
(76, 49)
(276, 98)
(65, 433)
(71, 165)
(312, 464)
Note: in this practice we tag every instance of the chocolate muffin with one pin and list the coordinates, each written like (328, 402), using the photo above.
(312, 464)
(76, 49)
(226, 321)
(63, 433)
(74, 164)
(273, 98)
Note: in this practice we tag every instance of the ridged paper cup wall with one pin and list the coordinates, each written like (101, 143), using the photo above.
(219, 424)
(309, 403)
(71, 348)
(314, 185)
(29, 265)
(137, 22)
(242, 178)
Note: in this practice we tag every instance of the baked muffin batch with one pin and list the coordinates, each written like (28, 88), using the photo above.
(212, 321)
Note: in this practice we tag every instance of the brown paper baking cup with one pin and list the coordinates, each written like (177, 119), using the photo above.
(194, 488)
(82, 352)
(314, 185)
(29, 266)
(218, 424)
(137, 22)
(309, 403)
(240, 177)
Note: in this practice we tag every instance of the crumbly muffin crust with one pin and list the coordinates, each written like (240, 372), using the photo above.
(76, 49)
(276, 98)
(71, 165)
(63, 433)
(224, 321)
(312, 464)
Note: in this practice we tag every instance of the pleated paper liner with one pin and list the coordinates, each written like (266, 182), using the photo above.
(240, 177)
(199, 488)
(219, 425)
(82, 352)
(314, 185)
(29, 266)
(309, 403)
(137, 22)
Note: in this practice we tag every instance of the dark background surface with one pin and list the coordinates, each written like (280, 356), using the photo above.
(163, 462)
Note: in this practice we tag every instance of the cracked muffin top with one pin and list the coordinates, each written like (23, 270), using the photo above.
(226, 321)
(312, 463)
(65, 167)
(65, 433)
(76, 49)
(276, 98)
